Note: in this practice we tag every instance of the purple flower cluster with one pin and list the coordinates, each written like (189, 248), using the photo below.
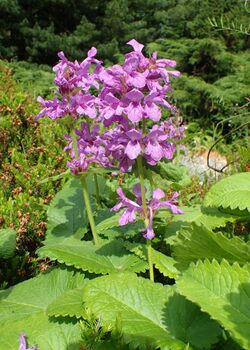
(136, 89)
(133, 207)
(73, 81)
(126, 143)
(124, 97)
(121, 108)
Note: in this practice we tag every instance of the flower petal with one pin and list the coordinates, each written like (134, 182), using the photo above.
(134, 95)
(174, 209)
(153, 112)
(127, 216)
(117, 206)
(158, 194)
(126, 201)
(154, 149)
(136, 46)
(137, 190)
(134, 112)
(133, 149)
(137, 80)
(149, 234)
(92, 52)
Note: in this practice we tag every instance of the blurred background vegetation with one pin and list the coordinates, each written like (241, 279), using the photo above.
(209, 39)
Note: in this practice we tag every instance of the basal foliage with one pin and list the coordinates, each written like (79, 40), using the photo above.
(211, 273)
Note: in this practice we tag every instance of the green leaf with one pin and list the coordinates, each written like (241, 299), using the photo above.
(23, 309)
(108, 223)
(110, 257)
(197, 242)
(138, 249)
(223, 291)
(66, 213)
(171, 174)
(68, 304)
(232, 192)
(209, 217)
(202, 216)
(123, 232)
(7, 243)
(165, 264)
(149, 314)
(101, 171)
(55, 177)
(170, 171)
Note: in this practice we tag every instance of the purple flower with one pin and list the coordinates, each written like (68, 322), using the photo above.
(22, 345)
(73, 75)
(109, 105)
(73, 81)
(90, 147)
(130, 210)
(83, 104)
(132, 207)
(159, 143)
(134, 110)
(124, 143)
(52, 108)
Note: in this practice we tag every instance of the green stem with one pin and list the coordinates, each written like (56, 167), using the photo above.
(144, 206)
(143, 193)
(74, 142)
(149, 252)
(97, 192)
(88, 209)
(85, 191)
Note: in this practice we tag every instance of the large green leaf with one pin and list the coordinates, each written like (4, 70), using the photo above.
(7, 243)
(111, 256)
(197, 242)
(232, 192)
(68, 304)
(222, 290)
(209, 217)
(23, 309)
(66, 213)
(148, 313)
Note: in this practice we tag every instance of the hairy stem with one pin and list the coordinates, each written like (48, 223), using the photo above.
(88, 209)
(74, 143)
(144, 206)
(150, 263)
(97, 191)
(143, 193)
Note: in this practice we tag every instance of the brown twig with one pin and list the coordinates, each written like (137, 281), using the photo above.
(217, 141)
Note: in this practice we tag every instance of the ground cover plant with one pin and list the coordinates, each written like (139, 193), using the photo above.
(149, 273)
(26, 161)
